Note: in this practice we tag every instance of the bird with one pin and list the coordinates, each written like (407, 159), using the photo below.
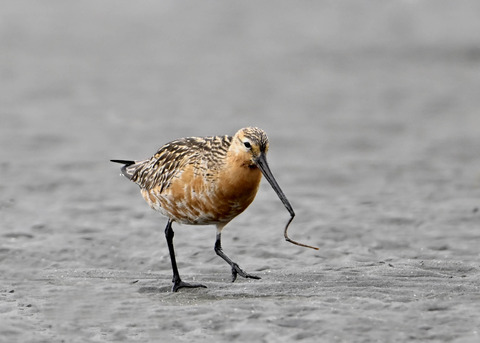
(205, 181)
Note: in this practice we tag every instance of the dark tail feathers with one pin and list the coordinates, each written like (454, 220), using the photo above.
(125, 162)
(128, 174)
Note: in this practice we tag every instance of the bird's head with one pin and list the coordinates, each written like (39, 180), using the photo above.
(250, 143)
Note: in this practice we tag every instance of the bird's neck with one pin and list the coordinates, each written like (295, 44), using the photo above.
(240, 174)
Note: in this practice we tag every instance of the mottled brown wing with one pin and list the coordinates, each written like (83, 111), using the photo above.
(204, 154)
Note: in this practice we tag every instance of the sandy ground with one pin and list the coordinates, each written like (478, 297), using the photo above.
(372, 109)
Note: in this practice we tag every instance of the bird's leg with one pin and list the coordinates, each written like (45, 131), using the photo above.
(235, 268)
(177, 282)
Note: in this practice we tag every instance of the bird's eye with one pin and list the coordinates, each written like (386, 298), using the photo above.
(247, 145)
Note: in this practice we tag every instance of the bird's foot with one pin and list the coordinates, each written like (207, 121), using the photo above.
(237, 270)
(177, 284)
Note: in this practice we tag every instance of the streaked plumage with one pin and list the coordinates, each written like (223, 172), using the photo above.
(204, 181)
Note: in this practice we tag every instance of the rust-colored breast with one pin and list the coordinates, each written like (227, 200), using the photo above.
(195, 199)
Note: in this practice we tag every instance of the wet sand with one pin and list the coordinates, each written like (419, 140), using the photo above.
(373, 115)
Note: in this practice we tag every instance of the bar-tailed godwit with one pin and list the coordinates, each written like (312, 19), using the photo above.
(205, 181)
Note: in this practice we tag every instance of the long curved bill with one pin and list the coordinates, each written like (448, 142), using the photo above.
(263, 165)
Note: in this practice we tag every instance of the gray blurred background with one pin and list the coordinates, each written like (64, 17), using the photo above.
(372, 109)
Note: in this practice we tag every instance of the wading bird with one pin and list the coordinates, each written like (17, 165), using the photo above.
(205, 181)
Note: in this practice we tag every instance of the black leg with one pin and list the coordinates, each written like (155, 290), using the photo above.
(177, 282)
(235, 268)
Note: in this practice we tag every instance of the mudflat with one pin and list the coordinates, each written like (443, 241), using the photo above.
(372, 111)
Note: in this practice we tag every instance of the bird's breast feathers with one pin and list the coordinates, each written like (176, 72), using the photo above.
(205, 197)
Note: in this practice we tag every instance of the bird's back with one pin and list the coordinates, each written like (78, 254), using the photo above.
(204, 154)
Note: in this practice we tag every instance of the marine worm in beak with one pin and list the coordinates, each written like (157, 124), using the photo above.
(263, 165)
(292, 241)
